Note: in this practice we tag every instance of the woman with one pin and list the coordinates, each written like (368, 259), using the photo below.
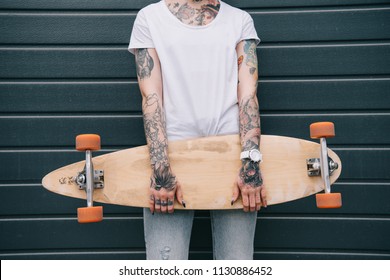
(197, 71)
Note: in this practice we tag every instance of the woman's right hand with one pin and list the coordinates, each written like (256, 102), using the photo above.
(164, 188)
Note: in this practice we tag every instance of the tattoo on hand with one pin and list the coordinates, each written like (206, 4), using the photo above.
(144, 63)
(162, 178)
(250, 174)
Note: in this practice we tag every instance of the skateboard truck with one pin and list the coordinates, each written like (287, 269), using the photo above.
(314, 166)
(324, 166)
(98, 179)
(89, 179)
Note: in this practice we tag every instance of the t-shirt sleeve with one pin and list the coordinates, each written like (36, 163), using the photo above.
(248, 29)
(140, 36)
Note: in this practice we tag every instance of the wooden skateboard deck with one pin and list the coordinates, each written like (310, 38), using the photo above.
(206, 168)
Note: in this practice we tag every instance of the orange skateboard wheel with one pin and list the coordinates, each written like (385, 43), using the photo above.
(322, 129)
(328, 200)
(90, 214)
(88, 142)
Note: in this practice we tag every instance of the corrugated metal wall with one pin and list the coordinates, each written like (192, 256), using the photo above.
(65, 70)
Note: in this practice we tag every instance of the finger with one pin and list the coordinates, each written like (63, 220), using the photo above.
(258, 200)
(171, 200)
(179, 195)
(236, 193)
(151, 203)
(164, 206)
(164, 203)
(263, 194)
(151, 198)
(245, 201)
(157, 204)
(252, 200)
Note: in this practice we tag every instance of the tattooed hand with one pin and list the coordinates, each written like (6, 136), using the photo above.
(250, 174)
(163, 189)
(250, 185)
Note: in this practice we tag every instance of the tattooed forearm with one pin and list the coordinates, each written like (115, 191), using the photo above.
(249, 123)
(155, 131)
(250, 139)
(144, 63)
(251, 56)
(249, 117)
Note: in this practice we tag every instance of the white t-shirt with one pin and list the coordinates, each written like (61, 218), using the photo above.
(199, 67)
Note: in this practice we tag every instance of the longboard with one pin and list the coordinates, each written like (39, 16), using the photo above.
(207, 169)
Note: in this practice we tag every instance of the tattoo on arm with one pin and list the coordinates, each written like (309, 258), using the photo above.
(155, 131)
(144, 63)
(154, 123)
(250, 139)
(249, 117)
(249, 123)
(239, 61)
(251, 55)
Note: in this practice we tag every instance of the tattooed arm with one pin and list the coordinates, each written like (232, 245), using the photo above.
(250, 182)
(163, 183)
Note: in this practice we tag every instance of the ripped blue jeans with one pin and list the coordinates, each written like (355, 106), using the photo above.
(167, 236)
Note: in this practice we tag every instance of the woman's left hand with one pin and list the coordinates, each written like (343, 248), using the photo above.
(250, 186)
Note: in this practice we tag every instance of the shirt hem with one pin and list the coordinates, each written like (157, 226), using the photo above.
(257, 39)
(132, 48)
